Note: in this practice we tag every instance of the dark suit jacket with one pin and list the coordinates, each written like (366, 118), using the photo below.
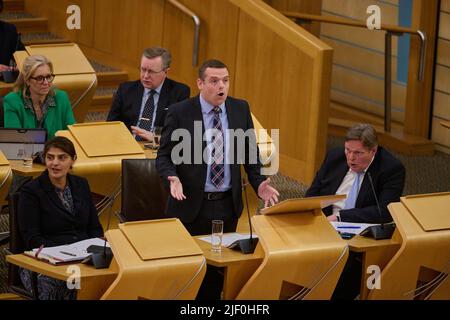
(8, 42)
(43, 219)
(128, 100)
(388, 175)
(193, 176)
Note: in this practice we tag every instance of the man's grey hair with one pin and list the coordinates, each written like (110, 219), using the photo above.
(155, 52)
(363, 132)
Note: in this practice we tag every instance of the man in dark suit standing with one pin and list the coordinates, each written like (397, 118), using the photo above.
(204, 175)
(9, 43)
(346, 170)
(143, 104)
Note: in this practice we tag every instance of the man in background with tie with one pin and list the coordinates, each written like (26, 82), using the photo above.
(206, 184)
(345, 171)
(143, 104)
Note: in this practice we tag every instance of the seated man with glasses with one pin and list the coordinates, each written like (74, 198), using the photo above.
(351, 170)
(143, 104)
(347, 170)
(35, 103)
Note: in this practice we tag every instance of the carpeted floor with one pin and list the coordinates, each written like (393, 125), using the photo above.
(424, 174)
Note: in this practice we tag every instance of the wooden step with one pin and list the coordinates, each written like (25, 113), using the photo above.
(395, 140)
(30, 24)
(13, 5)
(31, 38)
(111, 79)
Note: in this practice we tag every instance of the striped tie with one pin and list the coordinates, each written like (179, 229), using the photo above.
(217, 173)
(147, 113)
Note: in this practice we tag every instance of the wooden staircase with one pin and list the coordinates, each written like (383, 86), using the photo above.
(34, 30)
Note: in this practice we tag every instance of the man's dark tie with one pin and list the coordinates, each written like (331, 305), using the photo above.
(147, 113)
(217, 173)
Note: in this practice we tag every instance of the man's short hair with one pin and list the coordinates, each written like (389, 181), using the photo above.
(217, 64)
(363, 132)
(155, 52)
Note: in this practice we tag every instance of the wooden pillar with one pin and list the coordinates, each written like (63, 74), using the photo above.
(419, 93)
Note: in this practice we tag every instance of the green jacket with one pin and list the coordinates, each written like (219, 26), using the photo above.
(57, 117)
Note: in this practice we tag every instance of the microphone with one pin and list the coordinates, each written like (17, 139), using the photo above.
(102, 255)
(381, 231)
(245, 245)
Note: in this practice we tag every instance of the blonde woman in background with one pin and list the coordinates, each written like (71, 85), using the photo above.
(35, 102)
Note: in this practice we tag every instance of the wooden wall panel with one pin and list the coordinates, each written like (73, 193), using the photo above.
(443, 52)
(123, 28)
(442, 105)
(282, 70)
(419, 93)
(56, 11)
(218, 34)
(297, 104)
(444, 25)
(303, 6)
(441, 108)
(357, 9)
(353, 57)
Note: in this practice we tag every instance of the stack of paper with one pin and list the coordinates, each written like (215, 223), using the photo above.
(66, 253)
(350, 227)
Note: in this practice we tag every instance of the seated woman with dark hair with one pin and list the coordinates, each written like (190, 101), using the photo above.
(56, 209)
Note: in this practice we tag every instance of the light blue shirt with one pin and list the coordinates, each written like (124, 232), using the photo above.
(208, 118)
(155, 101)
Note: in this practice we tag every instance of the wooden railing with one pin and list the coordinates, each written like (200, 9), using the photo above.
(390, 31)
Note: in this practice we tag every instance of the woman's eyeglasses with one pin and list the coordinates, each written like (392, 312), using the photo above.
(40, 79)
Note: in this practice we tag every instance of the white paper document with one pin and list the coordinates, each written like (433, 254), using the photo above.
(229, 238)
(72, 252)
(350, 227)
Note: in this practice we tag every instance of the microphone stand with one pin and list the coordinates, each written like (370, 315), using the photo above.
(102, 256)
(246, 245)
(381, 231)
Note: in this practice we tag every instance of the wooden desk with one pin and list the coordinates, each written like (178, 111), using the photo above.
(374, 252)
(37, 169)
(33, 171)
(446, 124)
(239, 267)
(93, 282)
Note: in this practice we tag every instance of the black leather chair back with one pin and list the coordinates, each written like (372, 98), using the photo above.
(16, 246)
(144, 196)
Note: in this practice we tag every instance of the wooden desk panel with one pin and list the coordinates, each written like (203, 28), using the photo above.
(93, 282)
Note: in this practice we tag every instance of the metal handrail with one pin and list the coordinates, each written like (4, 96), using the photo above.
(196, 19)
(390, 31)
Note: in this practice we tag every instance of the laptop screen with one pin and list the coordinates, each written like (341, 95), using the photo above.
(14, 141)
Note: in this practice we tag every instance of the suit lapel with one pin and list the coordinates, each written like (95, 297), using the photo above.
(51, 193)
(232, 115)
(163, 100)
(366, 189)
(340, 172)
(137, 102)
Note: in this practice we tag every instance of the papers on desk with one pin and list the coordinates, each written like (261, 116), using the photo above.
(350, 227)
(229, 238)
(66, 253)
